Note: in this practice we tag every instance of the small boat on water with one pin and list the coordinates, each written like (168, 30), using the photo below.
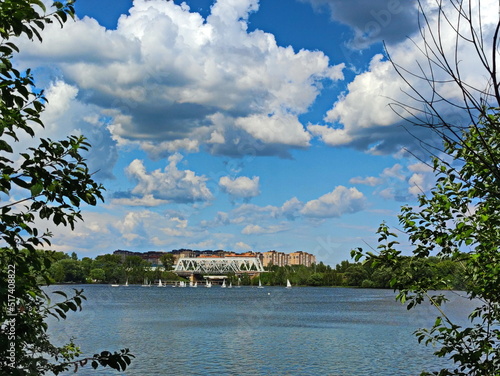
(224, 284)
(208, 284)
(159, 283)
(288, 284)
(114, 285)
(260, 285)
(126, 283)
(146, 283)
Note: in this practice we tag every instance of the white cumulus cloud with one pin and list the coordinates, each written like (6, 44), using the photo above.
(242, 186)
(367, 116)
(173, 80)
(340, 201)
(257, 229)
(170, 184)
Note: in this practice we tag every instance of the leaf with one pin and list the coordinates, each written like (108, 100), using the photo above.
(4, 146)
(62, 293)
(40, 4)
(36, 189)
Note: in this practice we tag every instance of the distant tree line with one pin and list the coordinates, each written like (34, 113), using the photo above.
(365, 275)
(116, 269)
(108, 269)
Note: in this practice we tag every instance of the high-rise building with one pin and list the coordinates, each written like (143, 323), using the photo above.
(301, 258)
(274, 258)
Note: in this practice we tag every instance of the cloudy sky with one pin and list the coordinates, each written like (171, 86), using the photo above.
(235, 124)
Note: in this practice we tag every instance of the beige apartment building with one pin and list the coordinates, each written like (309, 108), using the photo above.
(274, 258)
(301, 258)
(282, 259)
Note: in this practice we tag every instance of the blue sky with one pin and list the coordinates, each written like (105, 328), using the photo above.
(235, 124)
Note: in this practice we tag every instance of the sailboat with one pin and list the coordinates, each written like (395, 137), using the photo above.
(114, 285)
(208, 284)
(146, 283)
(260, 285)
(126, 283)
(159, 283)
(288, 284)
(230, 285)
(224, 284)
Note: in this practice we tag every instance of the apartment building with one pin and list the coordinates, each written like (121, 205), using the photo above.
(282, 259)
(301, 258)
(274, 258)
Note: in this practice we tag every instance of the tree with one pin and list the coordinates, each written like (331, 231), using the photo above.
(459, 220)
(72, 271)
(167, 260)
(112, 266)
(50, 182)
(356, 274)
(98, 274)
(135, 268)
(315, 279)
(86, 265)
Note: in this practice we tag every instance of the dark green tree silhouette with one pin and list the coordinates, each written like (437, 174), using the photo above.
(50, 182)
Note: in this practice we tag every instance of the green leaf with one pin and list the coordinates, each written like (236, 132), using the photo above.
(36, 189)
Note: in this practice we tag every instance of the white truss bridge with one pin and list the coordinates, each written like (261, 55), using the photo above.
(218, 266)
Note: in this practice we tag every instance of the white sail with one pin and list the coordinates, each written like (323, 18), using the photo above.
(223, 283)
(159, 283)
(260, 285)
(288, 284)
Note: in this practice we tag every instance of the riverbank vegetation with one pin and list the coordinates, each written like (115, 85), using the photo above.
(114, 269)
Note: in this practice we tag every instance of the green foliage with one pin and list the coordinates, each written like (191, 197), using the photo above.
(458, 223)
(106, 268)
(167, 261)
(111, 264)
(97, 274)
(53, 182)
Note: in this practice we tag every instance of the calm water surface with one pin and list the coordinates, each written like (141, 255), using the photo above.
(251, 331)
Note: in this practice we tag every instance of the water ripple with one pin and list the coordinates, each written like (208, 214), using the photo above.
(249, 331)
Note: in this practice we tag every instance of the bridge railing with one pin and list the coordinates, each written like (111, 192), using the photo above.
(223, 265)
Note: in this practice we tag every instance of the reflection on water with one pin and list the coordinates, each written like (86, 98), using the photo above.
(250, 331)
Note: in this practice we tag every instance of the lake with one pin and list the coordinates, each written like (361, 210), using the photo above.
(252, 331)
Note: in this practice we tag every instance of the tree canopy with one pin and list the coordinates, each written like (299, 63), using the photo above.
(459, 219)
(50, 182)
